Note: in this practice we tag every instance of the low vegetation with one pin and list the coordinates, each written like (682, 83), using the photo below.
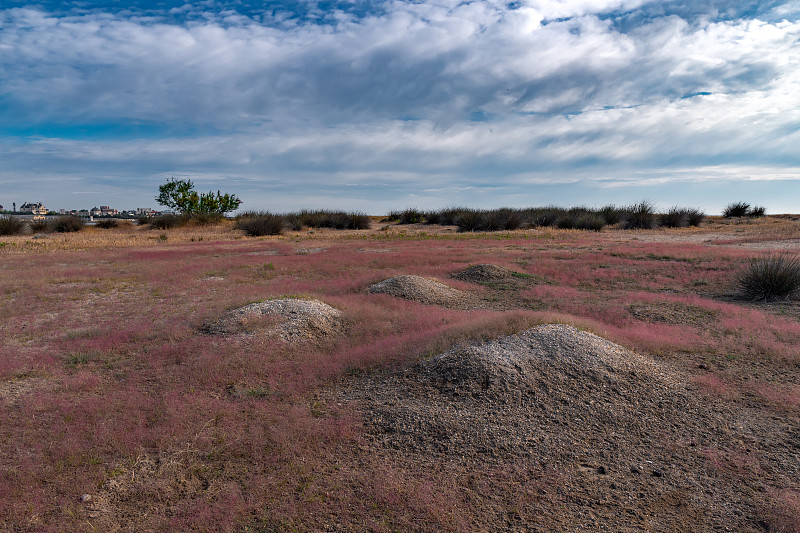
(743, 209)
(259, 223)
(107, 223)
(11, 225)
(772, 277)
(120, 413)
(66, 224)
(638, 216)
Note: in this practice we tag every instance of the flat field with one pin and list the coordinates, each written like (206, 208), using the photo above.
(123, 410)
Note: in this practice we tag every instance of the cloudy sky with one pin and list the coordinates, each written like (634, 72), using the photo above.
(387, 104)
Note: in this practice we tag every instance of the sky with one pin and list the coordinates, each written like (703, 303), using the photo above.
(382, 105)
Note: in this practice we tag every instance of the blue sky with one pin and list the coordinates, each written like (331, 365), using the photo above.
(382, 105)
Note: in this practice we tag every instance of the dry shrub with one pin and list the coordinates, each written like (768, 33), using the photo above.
(770, 278)
(67, 224)
(257, 224)
(107, 223)
(11, 225)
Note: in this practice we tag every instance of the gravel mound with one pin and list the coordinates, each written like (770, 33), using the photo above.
(514, 365)
(290, 319)
(423, 290)
(626, 439)
(485, 273)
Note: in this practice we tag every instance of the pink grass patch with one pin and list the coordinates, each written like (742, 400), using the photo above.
(715, 385)
(785, 397)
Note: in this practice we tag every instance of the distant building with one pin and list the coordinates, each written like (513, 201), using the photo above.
(35, 209)
(146, 211)
(108, 211)
(95, 212)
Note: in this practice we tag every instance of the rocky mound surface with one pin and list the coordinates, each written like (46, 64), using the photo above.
(515, 365)
(614, 440)
(485, 273)
(291, 319)
(424, 290)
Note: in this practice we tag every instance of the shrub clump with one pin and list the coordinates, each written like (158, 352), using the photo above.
(166, 221)
(736, 209)
(675, 218)
(11, 225)
(107, 223)
(67, 224)
(261, 223)
(39, 226)
(770, 278)
(640, 216)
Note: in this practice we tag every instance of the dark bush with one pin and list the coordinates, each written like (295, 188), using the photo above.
(67, 224)
(736, 209)
(327, 219)
(675, 218)
(640, 216)
(166, 221)
(545, 217)
(566, 221)
(11, 225)
(611, 214)
(257, 224)
(432, 218)
(39, 226)
(590, 221)
(770, 277)
(447, 217)
(107, 223)
(204, 219)
(694, 216)
(757, 211)
(410, 216)
(470, 220)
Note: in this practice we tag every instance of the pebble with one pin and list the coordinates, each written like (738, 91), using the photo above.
(86, 498)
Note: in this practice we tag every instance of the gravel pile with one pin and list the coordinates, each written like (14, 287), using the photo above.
(626, 440)
(513, 366)
(485, 273)
(424, 290)
(290, 319)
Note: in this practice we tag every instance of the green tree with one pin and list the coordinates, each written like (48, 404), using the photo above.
(181, 196)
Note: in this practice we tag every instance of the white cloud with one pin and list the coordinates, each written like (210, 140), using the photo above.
(447, 93)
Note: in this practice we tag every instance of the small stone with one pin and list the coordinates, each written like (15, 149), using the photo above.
(86, 498)
(635, 469)
(702, 366)
(657, 473)
(601, 470)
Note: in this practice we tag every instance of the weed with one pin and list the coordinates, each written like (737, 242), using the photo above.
(39, 226)
(11, 225)
(675, 218)
(470, 220)
(640, 216)
(107, 223)
(67, 224)
(771, 277)
(256, 224)
(409, 216)
(757, 212)
(736, 209)
(166, 221)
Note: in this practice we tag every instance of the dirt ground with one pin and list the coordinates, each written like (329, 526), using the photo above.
(537, 422)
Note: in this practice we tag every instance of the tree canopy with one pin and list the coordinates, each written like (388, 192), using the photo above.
(180, 195)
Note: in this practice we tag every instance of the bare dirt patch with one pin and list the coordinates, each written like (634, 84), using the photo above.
(290, 319)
